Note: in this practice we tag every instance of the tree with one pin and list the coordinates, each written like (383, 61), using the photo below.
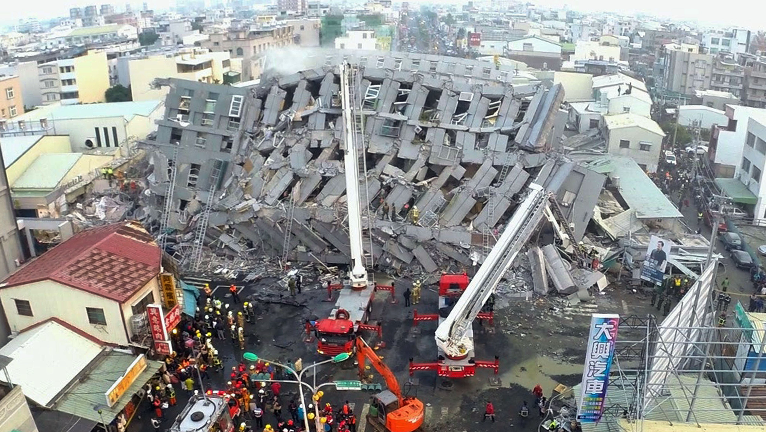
(118, 93)
(196, 25)
(683, 137)
(147, 38)
(461, 33)
(449, 20)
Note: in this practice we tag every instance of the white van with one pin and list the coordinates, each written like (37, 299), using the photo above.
(670, 158)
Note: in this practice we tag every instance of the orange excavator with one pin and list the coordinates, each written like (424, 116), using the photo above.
(389, 411)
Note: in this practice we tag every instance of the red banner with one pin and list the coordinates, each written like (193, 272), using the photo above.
(173, 318)
(474, 39)
(163, 348)
(156, 322)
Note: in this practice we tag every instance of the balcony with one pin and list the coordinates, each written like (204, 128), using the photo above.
(758, 74)
(760, 85)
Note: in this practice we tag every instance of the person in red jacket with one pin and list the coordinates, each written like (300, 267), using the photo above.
(538, 391)
(157, 407)
(489, 411)
(275, 388)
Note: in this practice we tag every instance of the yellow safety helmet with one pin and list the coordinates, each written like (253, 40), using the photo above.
(323, 420)
(245, 304)
(239, 313)
(311, 416)
(268, 426)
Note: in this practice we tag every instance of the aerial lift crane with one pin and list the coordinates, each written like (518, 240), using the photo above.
(337, 333)
(454, 336)
(389, 410)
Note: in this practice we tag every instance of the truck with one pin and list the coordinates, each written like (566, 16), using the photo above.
(389, 410)
(211, 412)
(336, 334)
(461, 301)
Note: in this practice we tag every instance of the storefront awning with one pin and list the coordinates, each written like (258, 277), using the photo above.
(85, 398)
(191, 294)
(734, 189)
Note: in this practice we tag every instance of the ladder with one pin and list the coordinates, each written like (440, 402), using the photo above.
(556, 208)
(487, 233)
(504, 170)
(168, 201)
(358, 124)
(199, 237)
(289, 214)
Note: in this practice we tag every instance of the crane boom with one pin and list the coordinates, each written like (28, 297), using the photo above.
(451, 333)
(351, 163)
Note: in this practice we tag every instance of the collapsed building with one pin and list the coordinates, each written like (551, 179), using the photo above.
(243, 172)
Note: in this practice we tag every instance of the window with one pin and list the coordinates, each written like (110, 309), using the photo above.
(98, 136)
(189, 93)
(624, 144)
(626, 109)
(528, 47)
(9, 93)
(342, 46)
(364, 35)
(175, 136)
(593, 124)
(750, 139)
(23, 307)
(726, 42)
(207, 120)
(201, 139)
(12, 111)
(216, 43)
(760, 146)
(226, 144)
(96, 316)
(49, 83)
(645, 146)
(715, 41)
(303, 27)
(235, 109)
(140, 307)
(193, 175)
(746, 165)
(358, 46)
(210, 106)
(756, 174)
(47, 70)
(240, 52)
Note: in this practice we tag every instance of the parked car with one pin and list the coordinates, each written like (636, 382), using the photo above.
(731, 241)
(762, 249)
(742, 259)
(733, 212)
(700, 149)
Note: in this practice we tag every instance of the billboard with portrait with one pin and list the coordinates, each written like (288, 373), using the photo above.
(657, 254)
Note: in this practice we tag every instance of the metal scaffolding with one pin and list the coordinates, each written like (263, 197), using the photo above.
(686, 367)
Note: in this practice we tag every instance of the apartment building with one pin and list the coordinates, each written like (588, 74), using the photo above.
(173, 32)
(30, 84)
(11, 100)
(305, 31)
(754, 92)
(317, 8)
(250, 44)
(535, 51)
(591, 50)
(686, 70)
(197, 65)
(298, 6)
(727, 75)
(357, 40)
(753, 163)
(735, 41)
(727, 140)
(106, 9)
(716, 99)
(636, 137)
(83, 79)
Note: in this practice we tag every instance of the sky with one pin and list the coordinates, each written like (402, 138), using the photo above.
(745, 13)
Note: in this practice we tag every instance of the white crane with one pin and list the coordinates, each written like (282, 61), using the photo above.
(452, 335)
(359, 279)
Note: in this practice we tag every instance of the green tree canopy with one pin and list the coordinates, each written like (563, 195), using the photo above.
(118, 93)
(147, 38)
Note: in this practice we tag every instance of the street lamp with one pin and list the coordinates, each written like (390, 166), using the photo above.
(252, 357)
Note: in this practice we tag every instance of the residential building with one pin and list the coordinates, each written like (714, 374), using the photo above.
(99, 34)
(246, 43)
(75, 13)
(686, 71)
(610, 95)
(90, 16)
(357, 40)
(14, 410)
(173, 32)
(591, 50)
(126, 18)
(305, 31)
(316, 8)
(701, 116)
(95, 281)
(735, 41)
(754, 93)
(298, 6)
(207, 121)
(717, 99)
(753, 163)
(106, 9)
(89, 126)
(536, 52)
(198, 65)
(578, 87)
(728, 139)
(11, 253)
(727, 74)
(28, 80)
(82, 79)
(11, 99)
(636, 137)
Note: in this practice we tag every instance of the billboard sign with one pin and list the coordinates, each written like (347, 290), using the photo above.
(173, 318)
(123, 383)
(163, 348)
(474, 39)
(168, 285)
(598, 361)
(656, 260)
(157, 322)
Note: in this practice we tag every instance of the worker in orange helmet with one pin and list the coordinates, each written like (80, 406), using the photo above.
(234, 293)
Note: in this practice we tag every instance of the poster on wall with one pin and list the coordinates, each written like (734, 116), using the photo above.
(657, 254)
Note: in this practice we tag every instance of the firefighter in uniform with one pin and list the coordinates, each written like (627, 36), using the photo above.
(722, 320)
(241, 337)
(415, 213)
(208, 292)
(416, 292)
(240, 320)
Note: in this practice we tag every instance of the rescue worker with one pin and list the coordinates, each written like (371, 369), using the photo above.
(218, 305)
(299, 282)
(386, 210)
(416, 292)
(240, 320)
(268, 428)
(241, 338)
(489, 412)
(208, 292)
(171, 394)
(407, 294)
(104, 173)
(291, 286)
(725, 284)
(654, 297)
(352, 422)
(234, 293)
(722, 320)
(666, 308)
(699, 218)
(157, 407)
(258, 415)
(250, 310)
(156, 424)
(233, 334)
(230, 318)
(245, 311)
(189, 384)
(415, 215)
(524, 413)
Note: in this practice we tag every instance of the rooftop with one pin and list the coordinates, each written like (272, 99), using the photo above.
(14, 147)
(7, 77)
(46, 172)
(617, 79)
(636, 188)
(41, 374)
(112, 261)
(629, 120)
(94, 31)
(715, 93)
(98, 110)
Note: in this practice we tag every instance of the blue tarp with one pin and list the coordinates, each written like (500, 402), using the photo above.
(191, 294)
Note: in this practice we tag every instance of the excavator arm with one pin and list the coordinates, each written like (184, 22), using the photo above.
(363, 353)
